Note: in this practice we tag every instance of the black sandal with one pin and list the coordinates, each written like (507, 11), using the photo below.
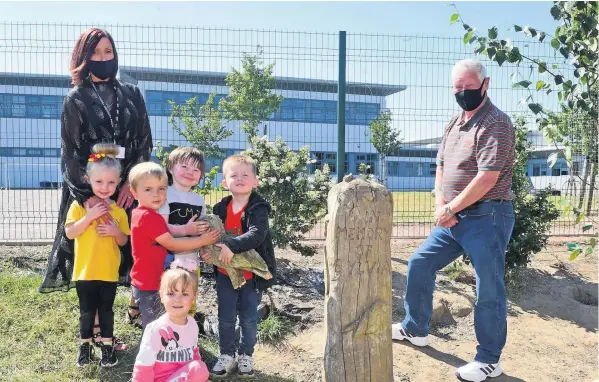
(119, 345)
(97, 336)
(134, 319)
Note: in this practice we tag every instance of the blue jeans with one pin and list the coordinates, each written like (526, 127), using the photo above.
(149, 304)
(231, 301)
(482, 232)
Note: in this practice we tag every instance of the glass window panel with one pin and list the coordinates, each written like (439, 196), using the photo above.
(18, 106)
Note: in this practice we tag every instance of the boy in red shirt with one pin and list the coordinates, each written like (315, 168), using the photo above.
(150, 238)
(245, 214)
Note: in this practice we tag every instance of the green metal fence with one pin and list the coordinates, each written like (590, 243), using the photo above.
(409, 76)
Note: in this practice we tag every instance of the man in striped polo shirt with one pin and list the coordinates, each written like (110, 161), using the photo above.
(474, 215)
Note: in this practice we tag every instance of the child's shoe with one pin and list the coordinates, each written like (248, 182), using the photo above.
(84, 355)
(108, 355)
(224, 366)
(246, 366)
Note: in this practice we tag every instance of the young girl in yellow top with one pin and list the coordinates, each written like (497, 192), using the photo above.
(97, 254)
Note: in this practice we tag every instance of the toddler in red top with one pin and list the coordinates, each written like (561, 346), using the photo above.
(151, 239)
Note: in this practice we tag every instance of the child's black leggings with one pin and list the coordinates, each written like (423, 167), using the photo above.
(96, 296)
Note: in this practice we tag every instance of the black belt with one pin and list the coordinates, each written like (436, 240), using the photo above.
(491, 201)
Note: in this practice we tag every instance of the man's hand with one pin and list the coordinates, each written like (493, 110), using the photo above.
(442, 219)
(225, 254)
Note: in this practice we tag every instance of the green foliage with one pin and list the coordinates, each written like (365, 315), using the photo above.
(384, 138)
(454, 269)
(201, 125)
(274, 329)
(250, 99)
(298, 199)
(533, 214)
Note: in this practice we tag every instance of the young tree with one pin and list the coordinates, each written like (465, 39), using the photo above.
(250, 99)
(202, 126)
(385, 139)
(297, 198)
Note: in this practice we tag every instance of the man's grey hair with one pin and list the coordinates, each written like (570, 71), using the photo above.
(469, 65)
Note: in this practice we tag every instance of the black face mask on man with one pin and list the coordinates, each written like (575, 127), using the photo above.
(470, 99)
(103, 69)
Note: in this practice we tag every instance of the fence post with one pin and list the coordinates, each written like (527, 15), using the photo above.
(341, 108)
(358, 283)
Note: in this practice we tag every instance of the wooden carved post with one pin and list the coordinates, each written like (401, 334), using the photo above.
(358, 283)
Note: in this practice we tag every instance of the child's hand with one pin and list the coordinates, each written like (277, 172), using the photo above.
(94, 200)
(205, 256)
(108, 230)
(194, 228)
(210, 237)
(225, 254)
(96, 211)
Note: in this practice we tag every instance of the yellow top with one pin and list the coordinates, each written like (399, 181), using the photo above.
(97, 258)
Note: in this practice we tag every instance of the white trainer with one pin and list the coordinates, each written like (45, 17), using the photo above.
(398, 333)
(223, 367)
(478, 371)
(246, 366)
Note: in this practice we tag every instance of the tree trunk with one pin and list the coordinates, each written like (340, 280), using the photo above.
(383, 171)
(358, 283)
(592, 186)
(583, 186)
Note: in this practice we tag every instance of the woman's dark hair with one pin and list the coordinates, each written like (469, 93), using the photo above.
(84, 50)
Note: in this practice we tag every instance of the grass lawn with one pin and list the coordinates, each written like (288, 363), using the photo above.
(39, 334)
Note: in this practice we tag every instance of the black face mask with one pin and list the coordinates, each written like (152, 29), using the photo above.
(103, 69)
(470, 99)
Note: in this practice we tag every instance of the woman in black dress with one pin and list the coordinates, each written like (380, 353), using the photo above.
(98, 109)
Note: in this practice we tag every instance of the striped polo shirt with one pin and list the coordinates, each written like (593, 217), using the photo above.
(484, 143)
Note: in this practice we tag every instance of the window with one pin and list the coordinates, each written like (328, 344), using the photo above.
(5, 105)
(18, 106)
(34, 152)
(19, 152)
(415, 169)
(51, 152)
(30, 106)
(51, 106)
(33, 106)
(432, 169)
(157, 101)
(393, 168)
(369, 160)
(536, 170)
(329, 159)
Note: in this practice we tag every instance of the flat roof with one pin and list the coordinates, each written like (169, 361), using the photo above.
(134, 74)
(281, 83)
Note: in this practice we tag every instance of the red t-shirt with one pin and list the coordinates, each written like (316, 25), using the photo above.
(233, 225)
(148, 255)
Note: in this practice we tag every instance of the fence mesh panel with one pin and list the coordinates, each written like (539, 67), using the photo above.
(407, 75)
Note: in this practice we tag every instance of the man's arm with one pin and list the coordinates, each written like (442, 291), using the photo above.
(482, 183)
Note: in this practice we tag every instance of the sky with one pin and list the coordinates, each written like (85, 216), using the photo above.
(357, 17)
(397, 43)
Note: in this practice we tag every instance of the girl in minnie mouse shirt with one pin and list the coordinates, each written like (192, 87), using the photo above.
(169, 349)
